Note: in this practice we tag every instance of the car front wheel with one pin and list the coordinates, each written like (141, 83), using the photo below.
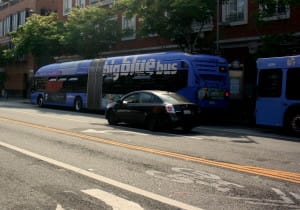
(112, 119)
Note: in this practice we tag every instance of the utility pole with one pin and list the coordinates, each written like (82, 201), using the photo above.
(217, 27)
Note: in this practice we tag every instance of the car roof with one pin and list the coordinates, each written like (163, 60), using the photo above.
(161, 94)
(152, 91)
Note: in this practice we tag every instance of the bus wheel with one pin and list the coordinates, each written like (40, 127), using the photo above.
(293, 123)
(78, 104)
(40, 101)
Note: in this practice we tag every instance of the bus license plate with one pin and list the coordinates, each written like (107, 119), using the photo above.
(187, 111)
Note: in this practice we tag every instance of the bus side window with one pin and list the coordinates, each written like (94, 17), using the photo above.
(270, 83)
(40, 83)
(293, 84)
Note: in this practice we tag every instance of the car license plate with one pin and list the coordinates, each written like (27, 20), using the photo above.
(187, 111)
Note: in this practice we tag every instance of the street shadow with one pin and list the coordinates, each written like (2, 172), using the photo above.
(234, 123)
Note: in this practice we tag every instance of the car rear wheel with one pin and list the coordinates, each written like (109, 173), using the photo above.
(151, 123)
(187, 128)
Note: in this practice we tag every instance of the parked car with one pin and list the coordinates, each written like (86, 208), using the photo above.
(154, 109)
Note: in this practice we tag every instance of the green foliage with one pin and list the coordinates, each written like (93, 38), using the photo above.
(90, 31)
(40, 36)
(271, 7)
(277, 45)
(171, 19)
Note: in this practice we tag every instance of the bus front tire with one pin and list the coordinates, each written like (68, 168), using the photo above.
(78, 104)
(40, 101)
(293, 123)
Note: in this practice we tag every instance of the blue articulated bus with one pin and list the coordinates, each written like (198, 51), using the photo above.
(92, 84)
(278, 92)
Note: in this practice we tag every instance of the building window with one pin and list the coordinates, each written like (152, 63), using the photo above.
(206, 26)
(67, 6)
(7, 25)
(235, 12)
(274, 11)
(1, 29)
(22, 17)
(15, 22)
(80, 3)
(129, 25)
(102, 2)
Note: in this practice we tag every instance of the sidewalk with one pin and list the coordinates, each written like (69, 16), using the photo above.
(15, 99)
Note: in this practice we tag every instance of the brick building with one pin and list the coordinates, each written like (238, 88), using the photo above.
(236, 33)
(13, 13)
(241, 36)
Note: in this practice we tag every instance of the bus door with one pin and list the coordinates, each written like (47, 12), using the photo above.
(270, 103)
(94, 88)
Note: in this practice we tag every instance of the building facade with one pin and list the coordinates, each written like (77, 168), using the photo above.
(13, 13)
(243, 29)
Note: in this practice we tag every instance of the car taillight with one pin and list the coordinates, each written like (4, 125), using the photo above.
(226, 94)
(170, 109)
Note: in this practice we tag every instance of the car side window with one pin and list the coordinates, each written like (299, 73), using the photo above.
(134, 98)
(145, 98)
(149, 98)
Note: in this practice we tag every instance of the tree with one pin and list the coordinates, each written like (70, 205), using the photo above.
(171, 19)
(283, 43)
(271, 7)
(90, 31)
(39, 36)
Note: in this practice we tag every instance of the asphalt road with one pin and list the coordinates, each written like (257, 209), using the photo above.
(60, 159)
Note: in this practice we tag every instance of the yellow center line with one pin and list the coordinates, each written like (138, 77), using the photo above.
(277, 174)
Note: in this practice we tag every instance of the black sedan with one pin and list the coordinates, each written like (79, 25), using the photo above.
(154, 109)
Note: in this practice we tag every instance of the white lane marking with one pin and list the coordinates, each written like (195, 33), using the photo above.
(112, 200)
(191, 137)
(59, 207)
(103, 179)
(113, 131)
(283, 196)
(284, 200)
(245, 132)
(190, 176)
(132, 132)
(295, 195)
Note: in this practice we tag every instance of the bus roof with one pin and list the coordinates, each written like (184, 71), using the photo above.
(66, 68)
(82, 66)
(169, 56)
(278, 62)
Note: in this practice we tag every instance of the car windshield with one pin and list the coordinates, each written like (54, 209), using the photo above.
(173, 98)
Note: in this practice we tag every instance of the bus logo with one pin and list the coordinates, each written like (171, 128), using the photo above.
(291, 61)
